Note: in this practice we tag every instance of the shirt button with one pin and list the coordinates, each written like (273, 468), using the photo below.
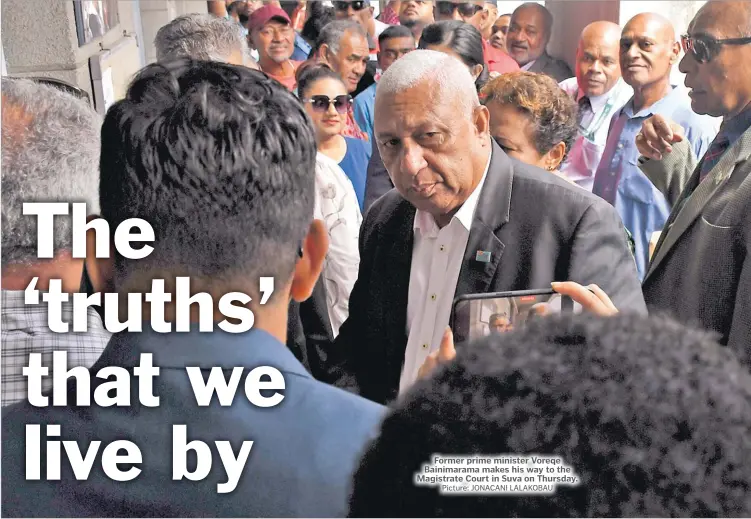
(432, 297)
(424, 346)
(442, 248)
(620, 145)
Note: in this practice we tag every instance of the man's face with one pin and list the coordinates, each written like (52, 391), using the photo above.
(501, 325)
(646, 52)
(274, 41)
(527, 35)
(427, 144)
(358, 11)
(413, 12)
(500, 30)
(597, 66)
(393, 49)
(719, 87)
(351, 59)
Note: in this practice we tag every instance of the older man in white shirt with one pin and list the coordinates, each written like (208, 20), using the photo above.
(464, 218)
(600, 93)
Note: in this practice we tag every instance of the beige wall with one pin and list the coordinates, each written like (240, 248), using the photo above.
(39, 39)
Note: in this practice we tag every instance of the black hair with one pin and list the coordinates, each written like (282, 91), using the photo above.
(312, 73)
(394, 31)
(462, 38)
(654, 419)
(219, 159)
(318, 18)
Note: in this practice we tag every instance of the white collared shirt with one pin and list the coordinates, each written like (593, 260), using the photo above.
(528, 65)
(437, 256)
(584, 157)
(336, 204)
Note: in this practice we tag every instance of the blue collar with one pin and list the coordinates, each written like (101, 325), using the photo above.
(202, 349)
(737, 126)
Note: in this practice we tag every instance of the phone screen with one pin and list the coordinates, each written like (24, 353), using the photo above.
(477, 316)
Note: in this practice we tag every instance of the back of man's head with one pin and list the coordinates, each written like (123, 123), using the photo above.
(202, 37)
(50, 147)
(653, 418)
(219, 159)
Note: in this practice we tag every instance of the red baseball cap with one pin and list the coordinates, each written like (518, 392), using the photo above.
(268, 12)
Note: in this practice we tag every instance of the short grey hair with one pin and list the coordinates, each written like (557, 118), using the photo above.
(446, 74)
(333, 32)
(201, 37)
(50, 146)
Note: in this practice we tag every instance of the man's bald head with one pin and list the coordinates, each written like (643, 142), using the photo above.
(731, 19)
(652, 23)
(648, 50)
(601, 32)
(597, 63)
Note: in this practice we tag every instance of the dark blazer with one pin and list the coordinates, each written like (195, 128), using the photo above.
(553, 67)
(309, 333)
(304, 452)
(378, 182)
(538, 227)
(701, 272)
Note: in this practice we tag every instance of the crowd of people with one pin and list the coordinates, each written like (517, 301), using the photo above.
(377, 168)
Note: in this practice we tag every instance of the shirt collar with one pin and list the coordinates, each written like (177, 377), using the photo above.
(736, 126)
(599, 102)
(674, 96)
(425, 223)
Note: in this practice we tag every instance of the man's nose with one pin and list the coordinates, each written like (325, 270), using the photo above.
(412, 160)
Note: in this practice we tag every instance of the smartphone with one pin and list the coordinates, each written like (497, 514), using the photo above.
(478, 315)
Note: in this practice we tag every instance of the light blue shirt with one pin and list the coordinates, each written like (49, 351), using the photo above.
(642, 207)
(364, 106)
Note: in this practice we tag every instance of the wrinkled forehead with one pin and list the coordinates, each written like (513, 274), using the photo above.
(402, 111)
(719, 21)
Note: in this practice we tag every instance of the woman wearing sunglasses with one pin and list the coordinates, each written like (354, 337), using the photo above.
(336, 203)
(327, 102)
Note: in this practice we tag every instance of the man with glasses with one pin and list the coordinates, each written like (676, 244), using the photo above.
(528, 38)
(700, 272)
(648, 50)
(478, 14)
(271, 33)
(361, 11)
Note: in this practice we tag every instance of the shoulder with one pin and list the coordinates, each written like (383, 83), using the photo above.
(570, 86)
(366, 95)
(386, 214)
(534, 187)
(357, 145)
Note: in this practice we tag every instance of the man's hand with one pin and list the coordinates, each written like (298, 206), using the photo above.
(592, 298)
(445, 353)
(657, 137)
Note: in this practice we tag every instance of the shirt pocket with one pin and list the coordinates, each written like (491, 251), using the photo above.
(635, 186)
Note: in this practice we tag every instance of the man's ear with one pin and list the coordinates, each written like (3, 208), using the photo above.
(481, 118)
(323, 53)
(554, 157)
(101, 271)
(309, 266)
(676, 52)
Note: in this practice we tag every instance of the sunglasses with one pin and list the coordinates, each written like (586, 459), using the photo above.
(321, 103)
(704, 48)
(357, 5)
(64, 86)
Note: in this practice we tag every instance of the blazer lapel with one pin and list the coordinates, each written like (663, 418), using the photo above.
(400, 258)
(692, 204)
(539, 63)
(484, 250)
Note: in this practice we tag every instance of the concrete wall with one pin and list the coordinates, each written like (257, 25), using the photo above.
(39, 39)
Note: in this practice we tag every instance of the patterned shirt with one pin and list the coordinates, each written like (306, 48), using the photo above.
(25, 331)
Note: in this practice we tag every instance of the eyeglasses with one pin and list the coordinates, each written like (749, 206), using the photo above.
(64, 86)
(321, 103)
(357, 5)
(704, 48)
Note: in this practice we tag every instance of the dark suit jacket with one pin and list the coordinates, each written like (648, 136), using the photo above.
(538, 228)
(378, 182)
(309, 333)
(300, 464)
(700, 272)
(553, 67)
